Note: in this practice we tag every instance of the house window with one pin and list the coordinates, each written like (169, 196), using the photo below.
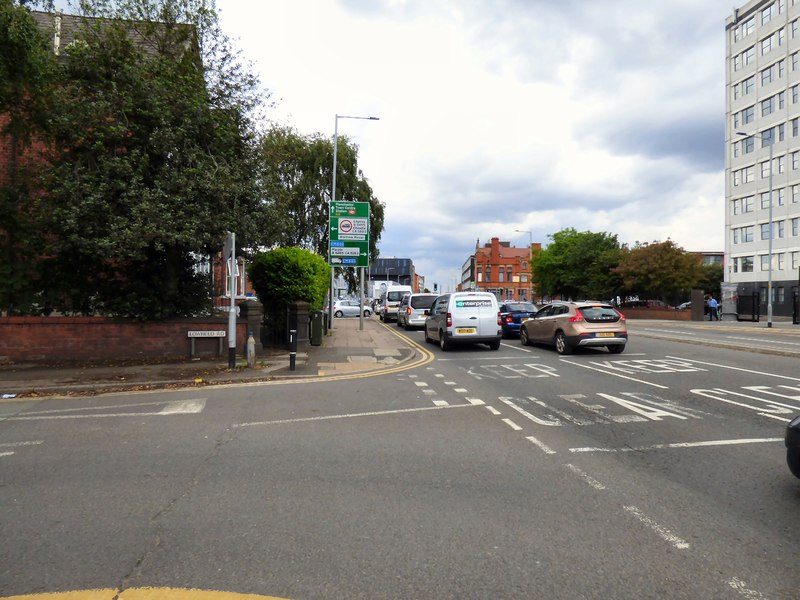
(488, 274)
(509, 274)
(501, 275)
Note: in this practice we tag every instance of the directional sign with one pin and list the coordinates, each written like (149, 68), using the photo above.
(349, 234)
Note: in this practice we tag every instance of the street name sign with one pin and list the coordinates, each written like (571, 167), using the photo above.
(349, 234)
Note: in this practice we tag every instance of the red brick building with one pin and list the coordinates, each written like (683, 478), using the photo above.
(500, 268)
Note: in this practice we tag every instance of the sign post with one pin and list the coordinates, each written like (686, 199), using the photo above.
(229, 252)
(349, 241)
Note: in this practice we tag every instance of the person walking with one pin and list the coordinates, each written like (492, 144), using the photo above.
(713, 315)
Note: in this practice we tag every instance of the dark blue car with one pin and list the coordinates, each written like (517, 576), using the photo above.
(793, 446)
(512, 314)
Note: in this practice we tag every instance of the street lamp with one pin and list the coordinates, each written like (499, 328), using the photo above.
(530, 266)
(330, 212)
(387, 273)
(770, 227)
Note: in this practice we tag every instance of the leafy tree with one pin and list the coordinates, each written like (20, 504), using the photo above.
(296, 181)
(577, 265)
(285, 275)
(152, 159)
(660, 270)
(27, 73)
(711, 277)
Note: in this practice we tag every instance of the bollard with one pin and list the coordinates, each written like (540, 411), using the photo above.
(292, 348)
(251, 350)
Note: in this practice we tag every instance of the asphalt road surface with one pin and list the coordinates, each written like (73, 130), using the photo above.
(657, 473)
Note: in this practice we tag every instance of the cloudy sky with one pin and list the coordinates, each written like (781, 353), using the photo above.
(506, 115)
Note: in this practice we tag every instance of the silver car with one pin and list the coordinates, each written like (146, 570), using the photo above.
(349, 308)
(411, 312)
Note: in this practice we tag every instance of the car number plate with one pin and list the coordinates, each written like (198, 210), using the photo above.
(605, 334)
(465, 330)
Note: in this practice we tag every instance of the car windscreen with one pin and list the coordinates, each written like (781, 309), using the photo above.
(422, 302)
(600, 314)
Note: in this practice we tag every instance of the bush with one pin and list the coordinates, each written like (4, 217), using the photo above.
(285, 275)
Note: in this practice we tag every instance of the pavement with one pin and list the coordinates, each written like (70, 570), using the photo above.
(347, 350)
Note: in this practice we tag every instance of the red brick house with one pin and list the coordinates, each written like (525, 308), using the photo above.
(500, 268)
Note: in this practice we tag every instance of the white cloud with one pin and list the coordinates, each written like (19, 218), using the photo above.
(509, 114)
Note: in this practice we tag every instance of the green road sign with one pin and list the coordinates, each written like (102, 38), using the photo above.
(349, 234)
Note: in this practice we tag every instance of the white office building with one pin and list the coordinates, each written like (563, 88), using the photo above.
(763, 120)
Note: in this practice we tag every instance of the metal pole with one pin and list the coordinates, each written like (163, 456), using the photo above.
(769, 272)
(232, 309)
(361, 298)
(330, 217)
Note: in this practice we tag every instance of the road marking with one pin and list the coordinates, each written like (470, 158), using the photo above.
(179, 407)
(460, 390)
(663, 387)
(420, 384)
(541, 445)
(733, 337)
(350, 416)
(681, 445)
(511, 424)
(141, 594)
(740, 586)
(586, 477)
(18, 444)
(738, 369)
(475, 401)
(667, 331)
(441, 403)
(494, 411)
(6, 453)
(665, 533)
(506, 400)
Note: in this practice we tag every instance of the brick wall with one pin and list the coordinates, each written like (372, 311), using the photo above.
(52, 339)
(669, 314)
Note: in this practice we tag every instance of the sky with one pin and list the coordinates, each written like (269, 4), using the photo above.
(504, 117)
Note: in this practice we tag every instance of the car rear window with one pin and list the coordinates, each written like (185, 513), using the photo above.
(599, 314)
(422, 302)
(520, 307)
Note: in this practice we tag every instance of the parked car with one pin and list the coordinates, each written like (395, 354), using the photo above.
(512, 314)
(464, 317)
(349, 308)
(684, 306)
(411, 312)
(569, 325)
(793, 446)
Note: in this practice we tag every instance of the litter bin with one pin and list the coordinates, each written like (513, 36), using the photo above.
(316, 327)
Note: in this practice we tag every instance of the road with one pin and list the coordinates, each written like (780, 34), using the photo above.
(658, 473)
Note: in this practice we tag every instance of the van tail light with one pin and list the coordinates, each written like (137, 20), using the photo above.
(408, 311)
(500, 319)
(449, 320)
(577, 317)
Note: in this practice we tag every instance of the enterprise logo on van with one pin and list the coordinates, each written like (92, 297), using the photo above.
(472, 303)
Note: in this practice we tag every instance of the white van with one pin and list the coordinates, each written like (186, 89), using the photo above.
(464, 317)
(390, 300)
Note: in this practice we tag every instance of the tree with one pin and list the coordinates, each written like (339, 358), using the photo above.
(27, 74)
(296, 187)
(151, 159)
(578, 265)
(285, 275)
(660, 270)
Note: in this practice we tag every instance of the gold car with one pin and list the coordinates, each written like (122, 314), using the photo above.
(570, 325)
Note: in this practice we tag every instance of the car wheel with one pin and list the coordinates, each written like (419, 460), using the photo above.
(523, 337)
(793, 460)
(407, 326)
(428, 339)
(616, 349)
(367, 313)
(444, 343)
(398, 322)
(562, 347)
(494, 345)
(338, 313)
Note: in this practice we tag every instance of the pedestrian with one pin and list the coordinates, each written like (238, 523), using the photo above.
(713, 315)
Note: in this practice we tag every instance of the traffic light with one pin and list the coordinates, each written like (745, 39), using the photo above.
(435, 287)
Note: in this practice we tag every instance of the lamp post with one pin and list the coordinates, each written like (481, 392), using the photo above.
(530, 266)
(770, 226)
(330, 210)
(387, 274)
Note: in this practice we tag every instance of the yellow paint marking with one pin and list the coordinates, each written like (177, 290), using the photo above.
(143, 594)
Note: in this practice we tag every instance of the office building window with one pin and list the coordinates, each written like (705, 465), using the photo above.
(747, 233)
(780, 227)
(764, 175)
(747, 204)
(749, 174)
(767, 106)
(748, 145)
(765, 262)
(795, 260)
(736, 235)
(781, 292)
(747, 264)
(766, 14)
(767, 136)
(765, 231)
(795, 227)
(781, 132)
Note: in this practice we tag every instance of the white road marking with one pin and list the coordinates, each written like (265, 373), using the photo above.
(682, 445)
(18, 444)
(525, 413)
(665, 533)
(180, 407)
(541, 445)
(738, 369)
(441, 403)
(511, 424)
(475, 401)
(746, 339)
(577, 364)
(350, 416)
(586, 477)
(429, 392)
(519, 347)
(740, 586)
(420, 384)
(450, 383)
(494, 411)
(6, 454)
(89, 408)
(460, 390)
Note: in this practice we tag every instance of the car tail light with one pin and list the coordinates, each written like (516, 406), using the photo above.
(500, 319)
(449, 320)
(621, 316)
(509, 319)
(577, 317)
